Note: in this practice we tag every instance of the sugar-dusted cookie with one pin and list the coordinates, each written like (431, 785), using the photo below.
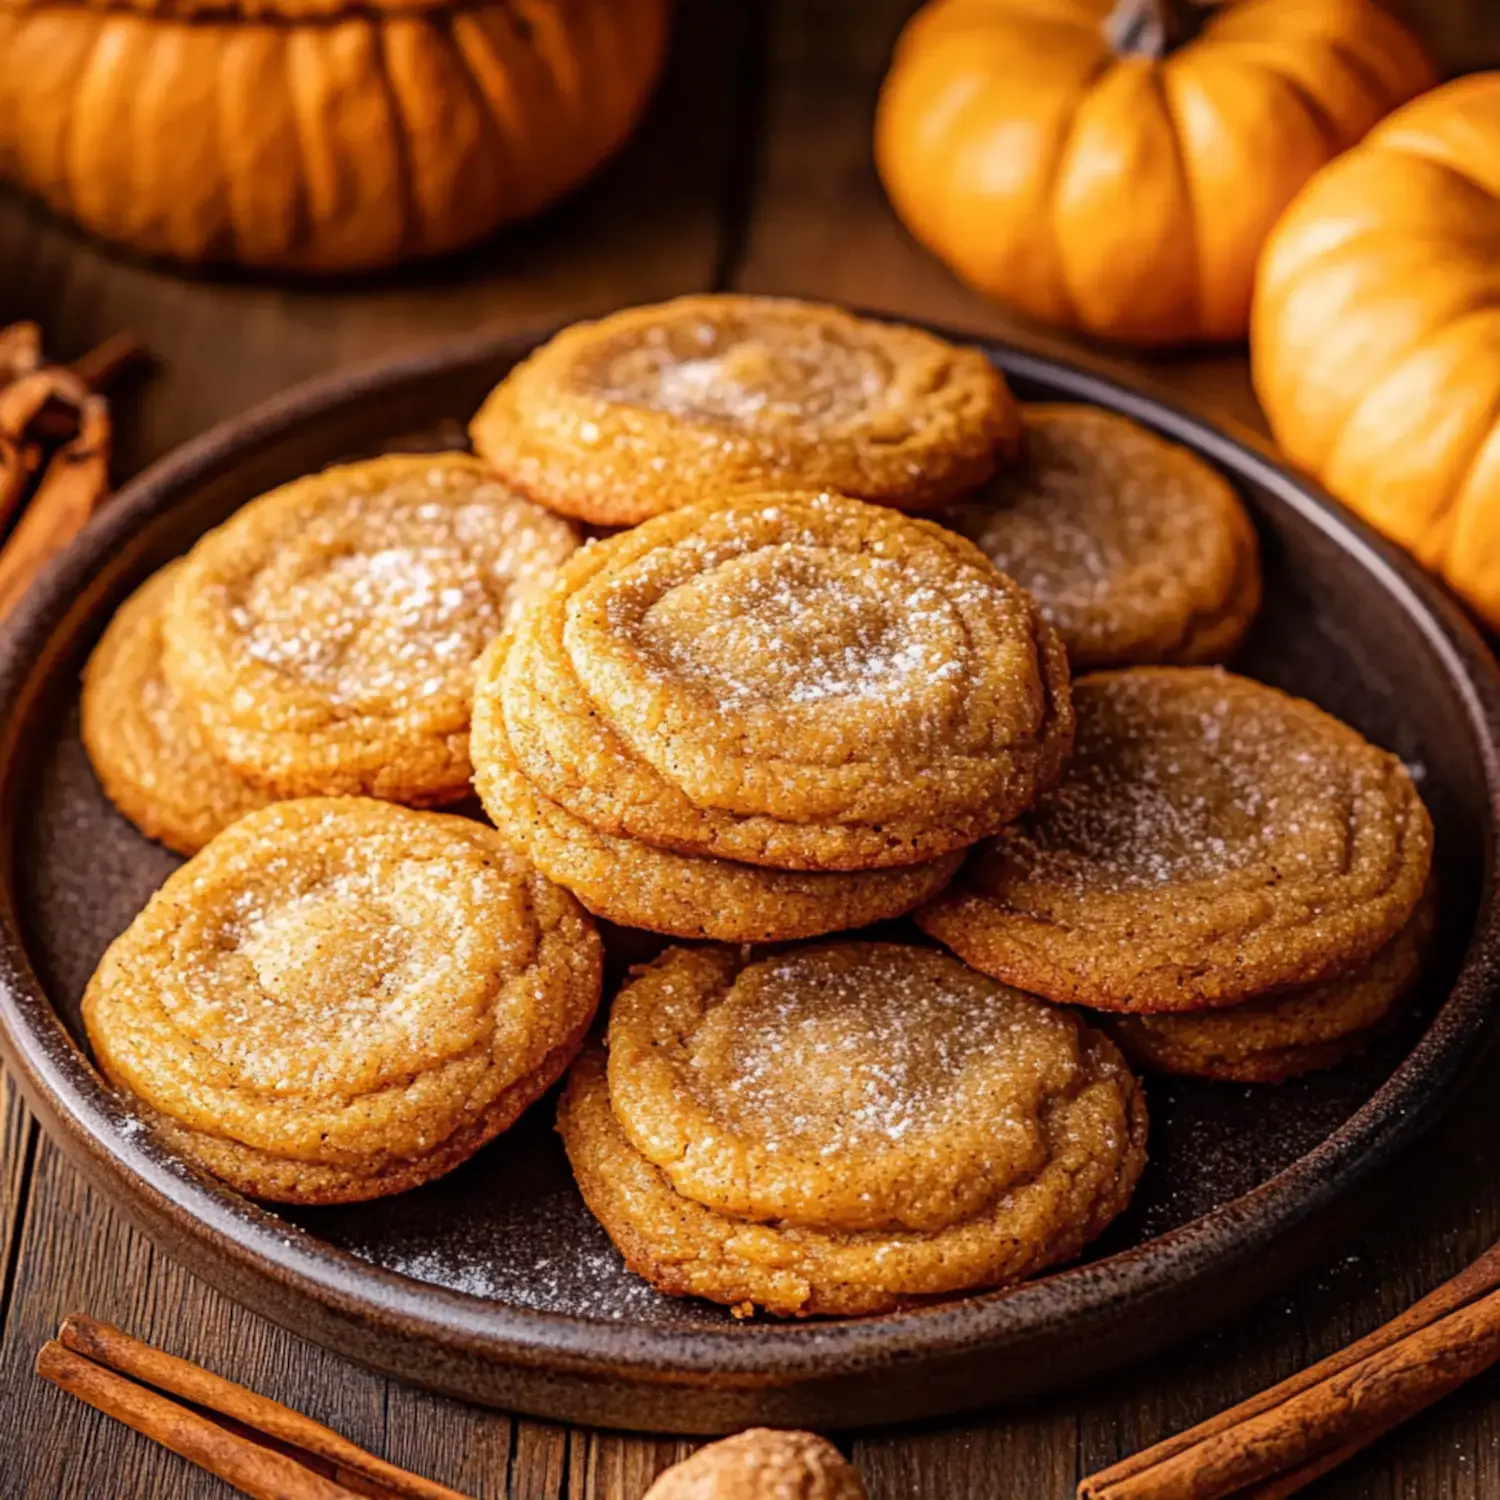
(1212, 840)
(662, 406)
(147, 748)
(682, 895)
(802, 682)
(326, 634)
(1281, 1036)
(1136, 549)
(846, 1127)
(338, 999)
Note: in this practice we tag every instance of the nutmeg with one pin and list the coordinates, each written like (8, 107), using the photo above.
(762, 1464)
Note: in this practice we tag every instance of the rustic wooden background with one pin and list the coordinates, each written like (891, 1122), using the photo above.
(753, 172)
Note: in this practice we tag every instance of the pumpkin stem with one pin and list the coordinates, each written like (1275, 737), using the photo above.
(1151, 28)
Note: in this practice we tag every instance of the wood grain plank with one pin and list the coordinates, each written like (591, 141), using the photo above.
(17, 1150)
(617, 1465)
(1027, 1450)
(540, 1467)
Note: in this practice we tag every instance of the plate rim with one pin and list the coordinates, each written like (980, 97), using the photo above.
(97, 1132)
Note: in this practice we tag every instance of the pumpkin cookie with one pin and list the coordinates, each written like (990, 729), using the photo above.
(682, 895)
(1282, 1036)
(663, 406)
(802, 682)
(1212, 840)
(1134, 548)
(845, 1128)
(339, 999)
(326, 634)
(146, 746)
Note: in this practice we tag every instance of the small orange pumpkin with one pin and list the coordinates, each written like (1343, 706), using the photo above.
(315, 135)
(1375, 337)
(1102, 165)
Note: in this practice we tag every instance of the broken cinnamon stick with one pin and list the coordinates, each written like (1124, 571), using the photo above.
(21, 454)
(75, 483)
(1281, 1440)
(54, 448)
(102, 366)
(18, 466)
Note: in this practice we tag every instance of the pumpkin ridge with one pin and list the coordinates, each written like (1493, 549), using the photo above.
(1449, 513)
(1486, 304)
(314, 136)
(75, 123)
(556, 52)
(1351, 59)
(489, 129)
(1258, 60)
(412, 226)
(1363, 242)
(608, 43)
(1162, 82)
(302, 234)
(478, 55)
(1408, 146)
(1065, 140)
(1395, 51)
(934, 235)
(221, 134)
(506, 88)
(1391, 355)
(1464, 498)
(1391, 358)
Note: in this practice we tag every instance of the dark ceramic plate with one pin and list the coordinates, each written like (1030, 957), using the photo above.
(495, 1284)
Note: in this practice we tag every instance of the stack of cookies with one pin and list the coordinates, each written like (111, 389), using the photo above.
(1235, 881)
(321, 642)
(846, 1128)
(777, 708)
(339, 999)
(768, 717)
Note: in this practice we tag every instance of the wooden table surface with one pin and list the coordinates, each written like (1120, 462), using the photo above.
(753, 172)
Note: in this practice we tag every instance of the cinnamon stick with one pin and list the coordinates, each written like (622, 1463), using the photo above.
(21, 453)
(18, 465)
(253, 1470)
(354, 1470)
(75, 483)
(1282, 1439)
(102, 366)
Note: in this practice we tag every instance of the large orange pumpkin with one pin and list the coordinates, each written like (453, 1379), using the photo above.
(1375, 341)
(316, 135)
(1098, 166)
